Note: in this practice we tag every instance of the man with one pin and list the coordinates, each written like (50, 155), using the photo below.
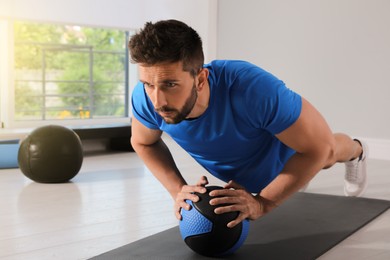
(238, 121)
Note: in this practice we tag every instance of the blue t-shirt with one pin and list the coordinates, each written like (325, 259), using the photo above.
(234, 139)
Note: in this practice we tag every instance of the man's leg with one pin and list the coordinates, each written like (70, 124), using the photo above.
(354, 154)
(347, 149)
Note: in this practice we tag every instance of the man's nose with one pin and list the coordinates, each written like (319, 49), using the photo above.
(159, 98)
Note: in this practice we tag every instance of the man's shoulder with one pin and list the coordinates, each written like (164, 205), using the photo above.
(235, 67)
(240, 73)
(230, 64)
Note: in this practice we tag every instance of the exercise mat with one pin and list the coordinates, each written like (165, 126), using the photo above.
(9, 154)
(304, 227)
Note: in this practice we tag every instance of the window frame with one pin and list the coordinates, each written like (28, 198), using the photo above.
(7, 85)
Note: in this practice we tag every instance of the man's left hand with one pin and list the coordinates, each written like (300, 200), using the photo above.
(238, 199)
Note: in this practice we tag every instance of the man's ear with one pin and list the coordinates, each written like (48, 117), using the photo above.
(202, 78)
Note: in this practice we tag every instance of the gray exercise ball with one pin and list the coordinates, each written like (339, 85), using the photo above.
(51, 154)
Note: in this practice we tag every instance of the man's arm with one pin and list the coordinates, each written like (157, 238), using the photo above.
(313, 141)
(157, 157)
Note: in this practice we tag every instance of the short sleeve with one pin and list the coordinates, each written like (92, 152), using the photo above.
(142, 108)
(270, 105)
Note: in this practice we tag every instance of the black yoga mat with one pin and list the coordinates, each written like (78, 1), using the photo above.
(304, 227)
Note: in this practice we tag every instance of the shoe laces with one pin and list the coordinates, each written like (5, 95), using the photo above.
(352, 171)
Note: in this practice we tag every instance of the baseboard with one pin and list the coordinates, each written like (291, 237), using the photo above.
(378, 148)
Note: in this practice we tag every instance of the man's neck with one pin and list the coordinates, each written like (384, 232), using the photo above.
(202, 102)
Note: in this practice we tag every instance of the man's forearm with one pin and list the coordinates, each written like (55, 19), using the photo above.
(159, 161)
(298, 171)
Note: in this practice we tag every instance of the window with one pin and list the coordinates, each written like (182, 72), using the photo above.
(67, 72)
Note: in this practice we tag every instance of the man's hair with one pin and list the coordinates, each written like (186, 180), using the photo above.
(167, 41)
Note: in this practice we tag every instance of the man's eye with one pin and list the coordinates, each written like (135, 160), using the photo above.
(171, 84)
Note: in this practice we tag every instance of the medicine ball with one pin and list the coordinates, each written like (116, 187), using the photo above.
(51, 154)
(206, 232)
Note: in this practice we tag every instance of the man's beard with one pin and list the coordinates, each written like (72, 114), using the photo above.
(176, 115)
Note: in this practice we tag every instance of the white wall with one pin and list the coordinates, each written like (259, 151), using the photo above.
(121, 14)
(336, 53)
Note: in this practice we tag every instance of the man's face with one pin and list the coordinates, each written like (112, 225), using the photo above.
(171, 90)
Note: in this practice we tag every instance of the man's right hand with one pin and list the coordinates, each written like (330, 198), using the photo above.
(187, 193)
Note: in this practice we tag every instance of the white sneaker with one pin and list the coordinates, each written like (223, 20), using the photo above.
(355, 180)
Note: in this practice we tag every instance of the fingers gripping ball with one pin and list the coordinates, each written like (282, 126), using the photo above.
(51, 154)
(206, 232)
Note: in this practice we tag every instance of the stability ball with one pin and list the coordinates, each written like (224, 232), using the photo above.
(51, 154)
(207, 233)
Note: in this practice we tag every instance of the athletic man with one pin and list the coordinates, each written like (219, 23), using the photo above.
(241, 123)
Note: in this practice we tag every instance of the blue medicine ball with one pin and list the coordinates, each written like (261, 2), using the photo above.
(207, 233)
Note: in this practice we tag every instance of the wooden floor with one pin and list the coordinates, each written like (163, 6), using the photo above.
(115, 200)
